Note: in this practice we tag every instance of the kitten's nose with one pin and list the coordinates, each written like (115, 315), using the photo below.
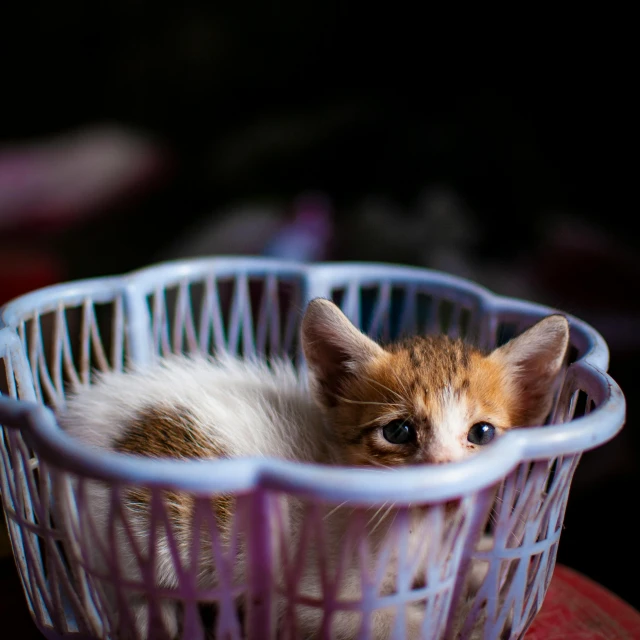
(440, 456)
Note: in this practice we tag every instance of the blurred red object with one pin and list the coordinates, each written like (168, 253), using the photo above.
(58, 182)
(54, 182)
(24, 271)
(577, 608)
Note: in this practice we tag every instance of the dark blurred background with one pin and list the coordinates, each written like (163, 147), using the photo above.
(137, 133)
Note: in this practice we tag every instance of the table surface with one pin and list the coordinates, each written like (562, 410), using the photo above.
(575, 608)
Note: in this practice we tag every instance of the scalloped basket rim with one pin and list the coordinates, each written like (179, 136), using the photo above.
(313, 480)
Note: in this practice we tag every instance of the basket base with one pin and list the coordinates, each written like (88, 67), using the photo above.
(574, 607)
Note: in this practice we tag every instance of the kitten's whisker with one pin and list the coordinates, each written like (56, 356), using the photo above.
(395, 515)
(382, 517)
(376, 513)
(403, 386)
(374, 420)
(367, 402)
(389, 509)
(375, 463)
(395, 393)
(328, 515)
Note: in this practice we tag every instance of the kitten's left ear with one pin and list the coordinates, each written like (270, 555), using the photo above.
(534, 360)
(335, 350)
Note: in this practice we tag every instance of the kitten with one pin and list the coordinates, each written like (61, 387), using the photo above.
(422, 400)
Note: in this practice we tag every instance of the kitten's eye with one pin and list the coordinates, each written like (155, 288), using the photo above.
(399, 432)
(481, 433)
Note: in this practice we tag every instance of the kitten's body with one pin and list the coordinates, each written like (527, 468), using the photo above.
(201, 408)
(217, 401)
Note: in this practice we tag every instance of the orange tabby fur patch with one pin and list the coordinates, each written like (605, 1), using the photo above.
(171, 432)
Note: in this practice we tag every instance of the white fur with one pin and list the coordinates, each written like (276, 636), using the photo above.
(244, 406)
(449, 428)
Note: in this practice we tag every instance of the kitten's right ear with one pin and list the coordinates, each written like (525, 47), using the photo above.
(334, 349)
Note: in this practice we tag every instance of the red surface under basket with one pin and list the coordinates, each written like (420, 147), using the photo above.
(578, 609)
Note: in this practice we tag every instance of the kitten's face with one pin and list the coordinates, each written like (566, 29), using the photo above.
(426, 399)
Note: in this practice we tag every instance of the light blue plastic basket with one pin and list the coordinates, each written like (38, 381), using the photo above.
(57, 337)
